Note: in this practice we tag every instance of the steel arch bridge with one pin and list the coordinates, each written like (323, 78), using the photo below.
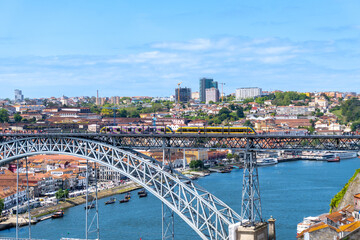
(208, 216)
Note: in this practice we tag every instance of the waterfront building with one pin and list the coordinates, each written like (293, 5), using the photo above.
(107, 174)
(212, 94)
(204, 84)
(196, 154)
(19, 97)
(249, 92)
(182, 94)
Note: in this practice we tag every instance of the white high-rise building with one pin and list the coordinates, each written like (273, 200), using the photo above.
(212, 94)
(250, 92)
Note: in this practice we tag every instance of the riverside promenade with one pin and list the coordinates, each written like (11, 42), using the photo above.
(44, 213)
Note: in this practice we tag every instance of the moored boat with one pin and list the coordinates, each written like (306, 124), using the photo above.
(142, 191)
(333, 159)
(58, 214)
(125, 200)
(345, 155)
(90, 206)
(142, 195)
(266, 161)
(128, 196)
(110, 201)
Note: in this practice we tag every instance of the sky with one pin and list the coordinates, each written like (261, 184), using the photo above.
(145, 48)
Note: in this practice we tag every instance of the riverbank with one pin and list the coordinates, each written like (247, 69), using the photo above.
(43, 213)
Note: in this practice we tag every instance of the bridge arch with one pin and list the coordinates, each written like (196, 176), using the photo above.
(208, 216)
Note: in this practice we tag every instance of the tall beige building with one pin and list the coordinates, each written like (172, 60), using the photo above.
(115, 100)
(195, 95)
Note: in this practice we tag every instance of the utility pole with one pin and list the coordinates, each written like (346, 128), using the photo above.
(222, 91)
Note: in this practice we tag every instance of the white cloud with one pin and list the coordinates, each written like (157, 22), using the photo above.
(156, 69)
(194, 45)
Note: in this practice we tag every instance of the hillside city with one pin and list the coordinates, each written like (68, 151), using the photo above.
(267, 112)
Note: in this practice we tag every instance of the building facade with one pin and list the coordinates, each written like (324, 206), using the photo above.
(204, 84)
(182, 94)
(195, 96)
(18, 96)
(251, 92)
(212, 94)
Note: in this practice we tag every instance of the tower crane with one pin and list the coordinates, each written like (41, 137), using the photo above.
(179, 91)
(222, 91)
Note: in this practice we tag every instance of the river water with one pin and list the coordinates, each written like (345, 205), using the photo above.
(290, 191)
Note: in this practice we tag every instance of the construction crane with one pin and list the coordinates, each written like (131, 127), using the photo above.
(222, 91)
(179, 91)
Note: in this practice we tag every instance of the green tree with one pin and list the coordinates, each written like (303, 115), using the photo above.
(59, 194)
(33, 120)
(134, 114)
(4, 115)
(122, 113)
(17, 117)
(240, 112)
(247, 100)
(66, 193)
(355, 126)
(225, 111)
(107, 112)
(95, 109)
(285, 98)
(195, 164)
(248, 123)
(350, 109)
(318, 113)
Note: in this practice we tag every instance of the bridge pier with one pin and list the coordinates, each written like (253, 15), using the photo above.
(252, 226)
(258, 231)
(250, 202)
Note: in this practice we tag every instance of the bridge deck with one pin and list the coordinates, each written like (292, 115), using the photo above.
(211, 141)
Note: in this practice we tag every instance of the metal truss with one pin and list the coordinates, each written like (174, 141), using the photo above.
(167, 223)
(219, 141)
(208, 216)
(251, 203)
(92, 225)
